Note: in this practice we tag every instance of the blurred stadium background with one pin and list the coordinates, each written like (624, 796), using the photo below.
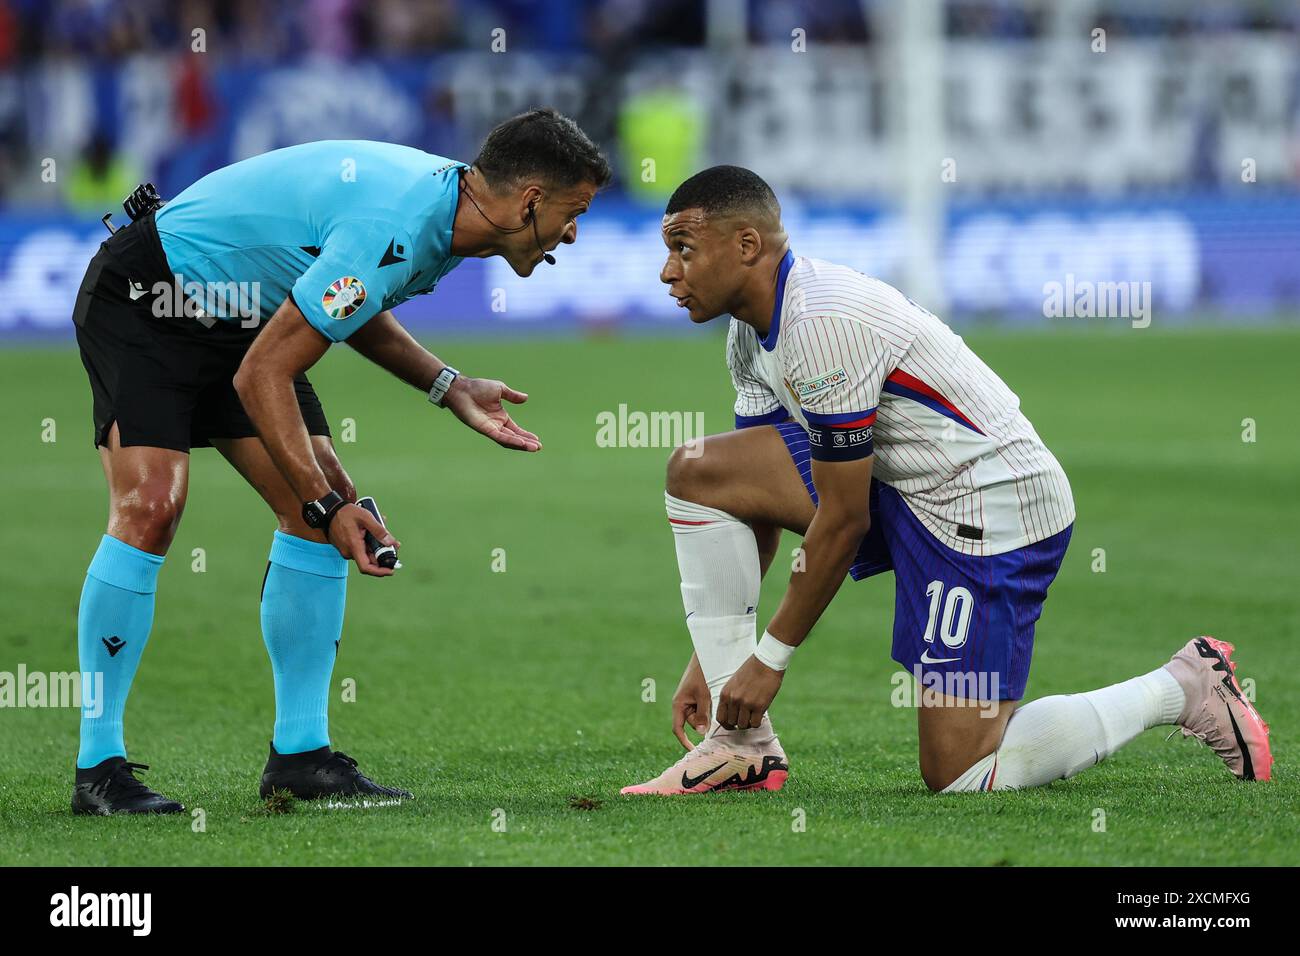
(968, 151)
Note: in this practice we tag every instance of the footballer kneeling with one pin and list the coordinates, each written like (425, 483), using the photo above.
(866, 425)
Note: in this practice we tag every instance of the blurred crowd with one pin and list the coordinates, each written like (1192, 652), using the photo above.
(108, 30)
(64, 63)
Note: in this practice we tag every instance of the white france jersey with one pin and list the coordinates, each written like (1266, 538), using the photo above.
(846, 350)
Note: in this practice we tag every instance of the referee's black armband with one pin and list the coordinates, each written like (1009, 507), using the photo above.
(829, 443)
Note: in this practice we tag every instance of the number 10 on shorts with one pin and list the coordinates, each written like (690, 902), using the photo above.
(955, 620)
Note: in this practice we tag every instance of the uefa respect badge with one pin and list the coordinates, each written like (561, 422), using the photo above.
(343, 297)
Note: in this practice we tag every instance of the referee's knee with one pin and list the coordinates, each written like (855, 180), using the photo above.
(147, 517)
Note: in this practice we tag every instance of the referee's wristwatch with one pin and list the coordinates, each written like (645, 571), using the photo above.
(319, 513)
(442, 385)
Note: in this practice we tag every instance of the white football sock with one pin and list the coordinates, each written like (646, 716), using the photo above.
(1055, 737)
(717, 556)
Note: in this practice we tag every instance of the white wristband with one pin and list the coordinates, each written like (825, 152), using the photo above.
(442, 385)
(773, 653)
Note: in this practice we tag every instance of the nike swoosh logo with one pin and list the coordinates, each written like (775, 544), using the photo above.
(927, 659)
(688, 782)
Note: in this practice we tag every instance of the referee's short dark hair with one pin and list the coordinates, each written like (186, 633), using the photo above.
(541, 144)
(722, 191)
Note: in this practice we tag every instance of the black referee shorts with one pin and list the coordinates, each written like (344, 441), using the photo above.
(167, 382)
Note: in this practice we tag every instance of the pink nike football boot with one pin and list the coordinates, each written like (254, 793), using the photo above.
(717, 765)
(1216, 710)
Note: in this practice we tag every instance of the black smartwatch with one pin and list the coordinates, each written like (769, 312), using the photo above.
(319, 513)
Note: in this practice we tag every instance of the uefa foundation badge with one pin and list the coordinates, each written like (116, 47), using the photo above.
(343, 297)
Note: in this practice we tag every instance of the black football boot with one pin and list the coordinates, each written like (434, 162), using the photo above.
(110, 787)
(322, 773)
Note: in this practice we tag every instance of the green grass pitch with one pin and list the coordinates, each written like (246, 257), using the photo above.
(499, 696)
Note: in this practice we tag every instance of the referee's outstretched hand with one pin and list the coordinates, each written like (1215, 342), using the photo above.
(477, 403)
(347, 532)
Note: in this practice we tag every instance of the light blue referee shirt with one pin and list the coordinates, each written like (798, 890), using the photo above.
(348, 227)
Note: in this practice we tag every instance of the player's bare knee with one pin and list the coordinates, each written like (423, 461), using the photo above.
(147, 518)
(938, 778)
(941, 767)
(685, 472)
(939, 771)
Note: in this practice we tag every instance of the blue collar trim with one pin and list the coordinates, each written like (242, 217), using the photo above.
(774, 329)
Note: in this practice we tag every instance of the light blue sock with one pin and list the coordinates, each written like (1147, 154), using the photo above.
(302, 621)
(113, 624)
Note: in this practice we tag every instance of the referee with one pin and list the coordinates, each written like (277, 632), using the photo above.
(329, 237)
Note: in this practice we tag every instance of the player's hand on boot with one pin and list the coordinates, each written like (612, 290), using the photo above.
(691, 703)
(477, 403)
(748, 695)
(347, 532)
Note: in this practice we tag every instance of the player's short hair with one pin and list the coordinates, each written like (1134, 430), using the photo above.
(545, 145)
(726, 191)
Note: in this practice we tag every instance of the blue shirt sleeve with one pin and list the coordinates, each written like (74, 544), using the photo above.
(359, 272)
